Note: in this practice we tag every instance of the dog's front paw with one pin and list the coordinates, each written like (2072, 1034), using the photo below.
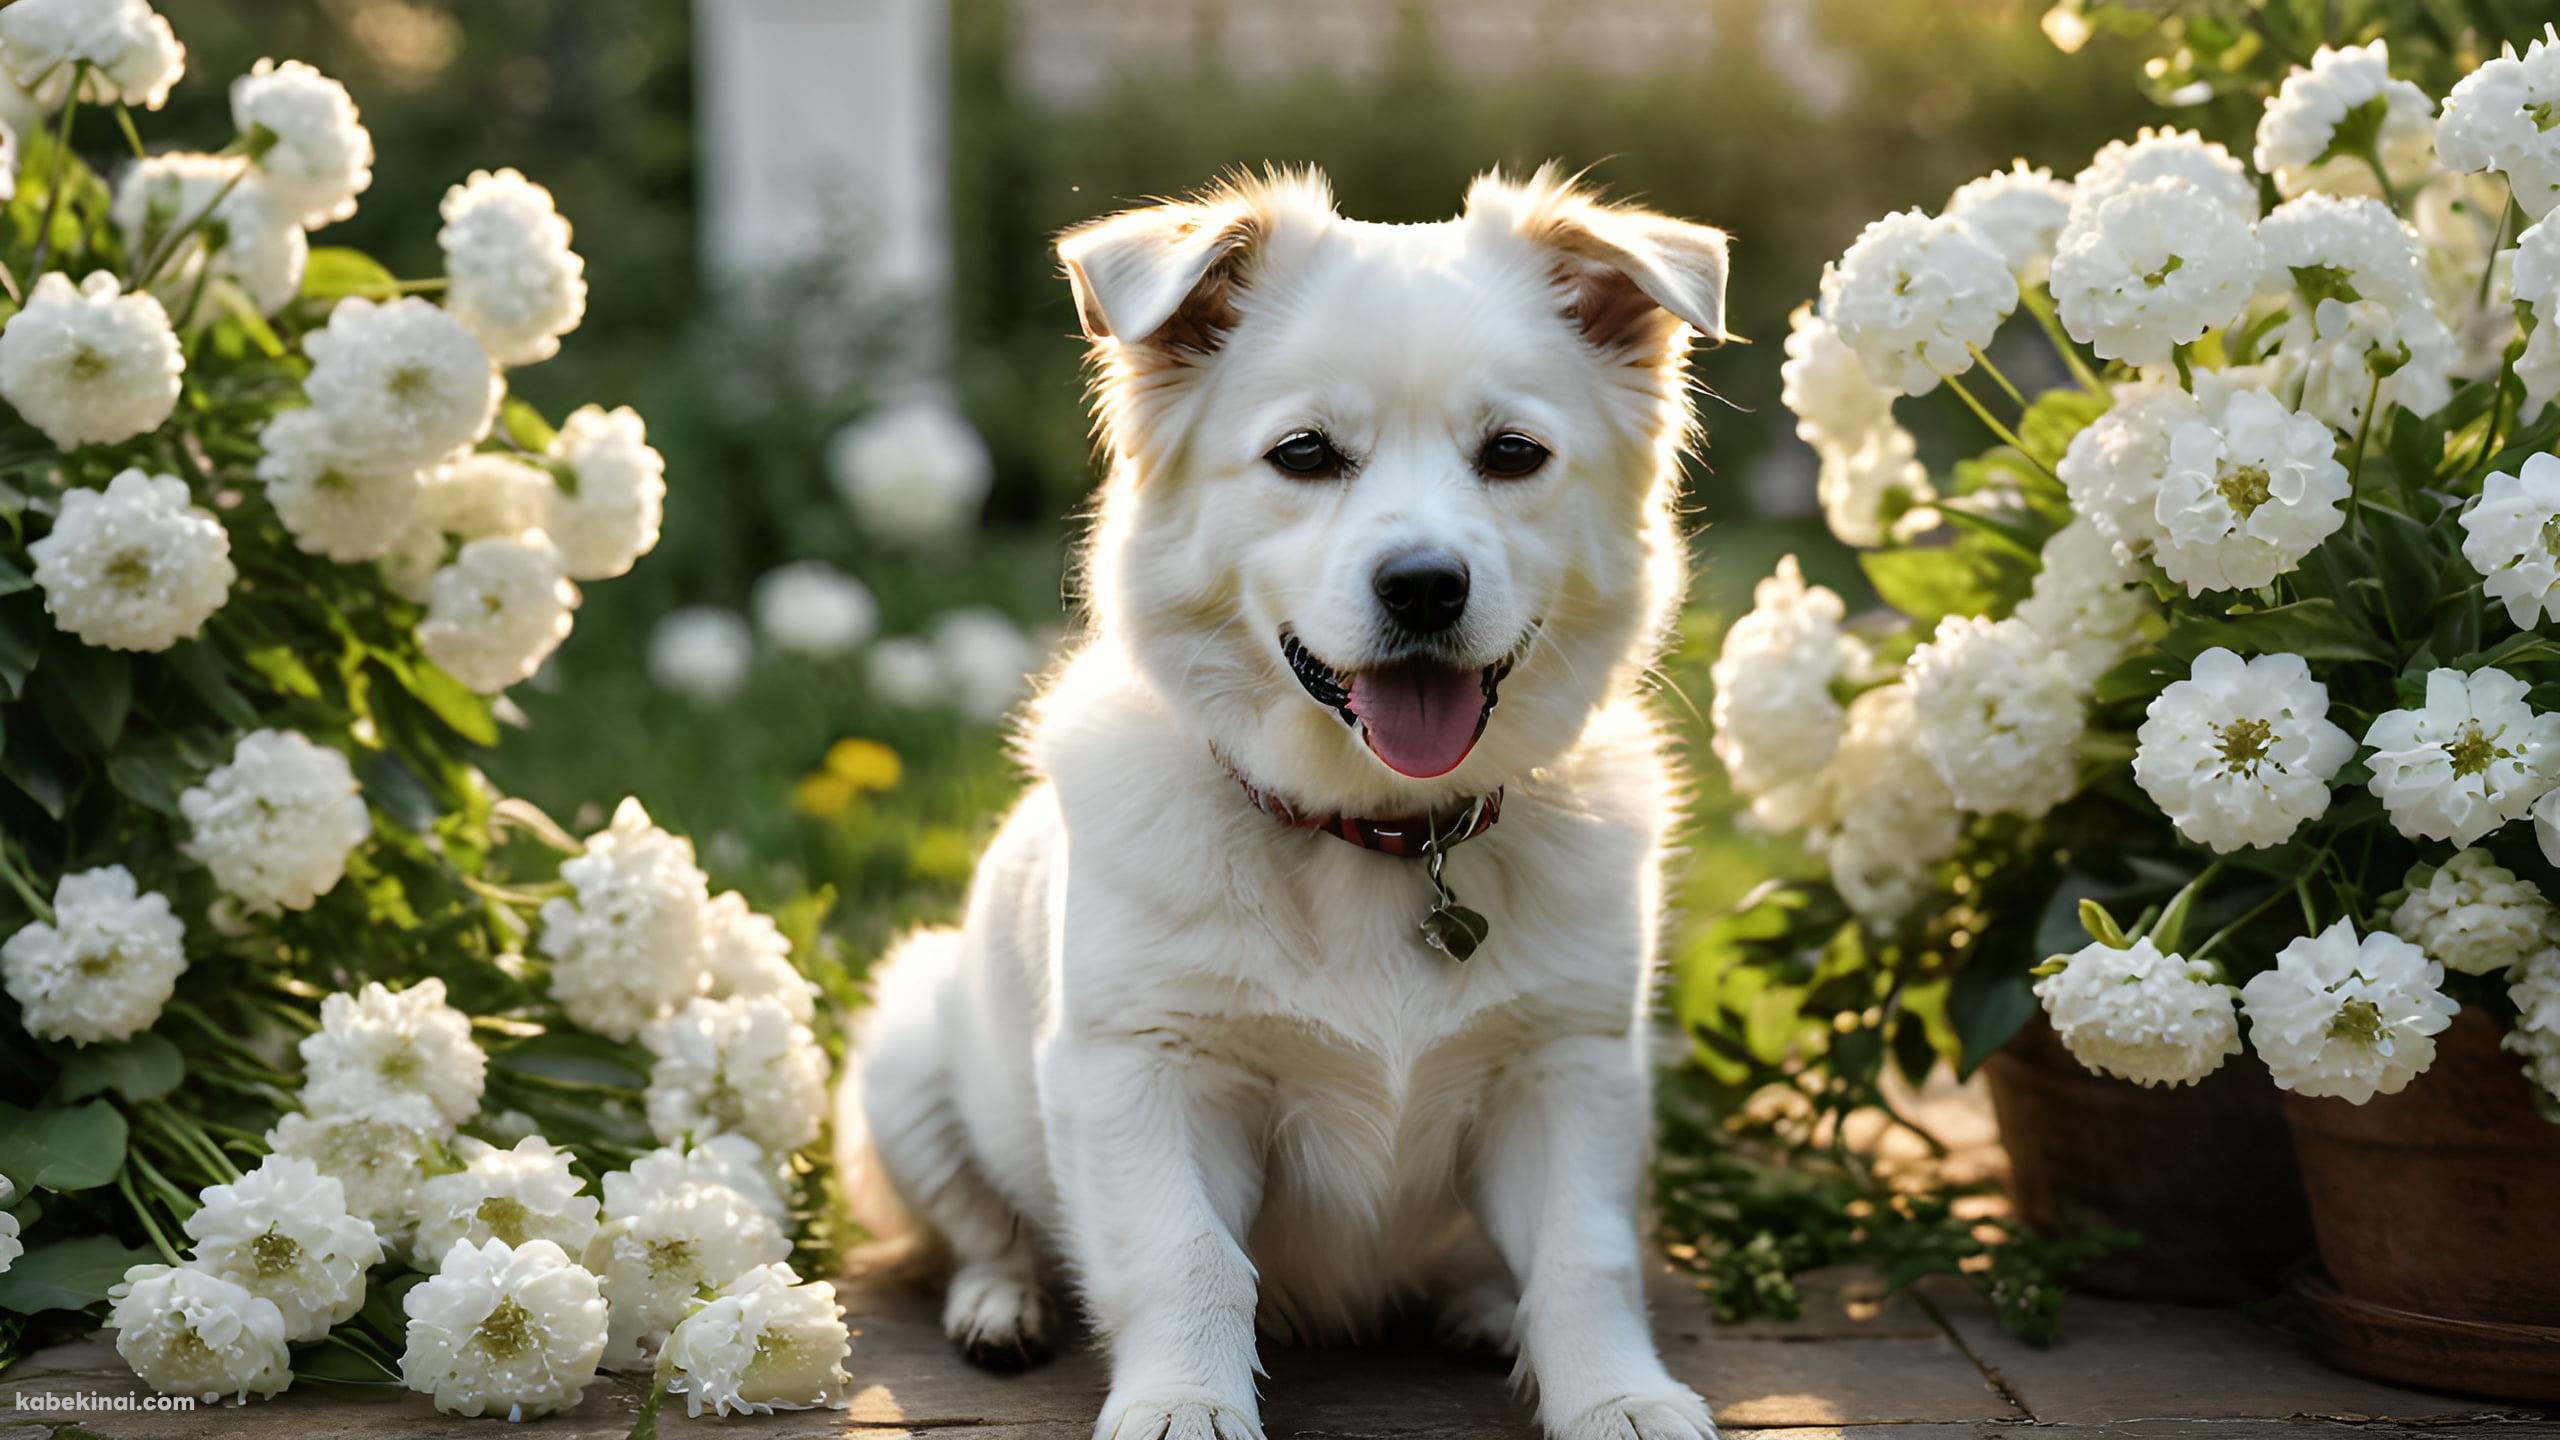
(1184, 1412)
(1672, 1415)
(1480, 1317)
(998, 1316)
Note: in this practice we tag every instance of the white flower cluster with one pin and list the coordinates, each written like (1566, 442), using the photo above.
(1871, 483)
(2142, 1015)
(743, 1065)
(2241, 752)
(2535, 990)
(514, 1195)
(2469, 760)
(914, 473)
(630, 943)
(1916, 299)
(1776, 720)
(2349, 1017)
(765, 1342)
(2000, 715)
(674, 1230)
(102, 967)
(2498, 118)
(276, 823)
(2475, 915)
(11, 1247)
(508, 1329)
(515, 282)
(88, 364)
(122, 51)
(136, 566)
(380, 1044)
(2343, 126)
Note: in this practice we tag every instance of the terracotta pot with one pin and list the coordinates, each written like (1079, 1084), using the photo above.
(2433, 1209)
(2203, 1173)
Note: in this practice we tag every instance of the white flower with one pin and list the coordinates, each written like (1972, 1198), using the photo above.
(1825, 386)
(2546, 825)
(515, 281)
(132, 55)
(701, 652)
(2535, 989)
(632, 945)
(283, 1232)
(2535, 281)
(2150, 268)
(904, 671)
(750, 959)
(103, 967)
(611, 519)
(244, 234)
(2141, 1015)
(136, 566)
(811, 608)
(2512, 537)
(2498, 118)
(481, 493)
(2347, 1017)
(1776, 721)
(2475, 757)
(186, 1332)
(8, 154)
(89, 365)
(275, 825)
(2000, 715)
(1869, 462)
(411, 567)
(321, 157)
(378, 1044)
(2250, 489)
(401, 383)
(2113, 468)
(2359, 303)
(331, 507)
(2241, 753)
(1877, 490)
(1915, 298)
(742, 1066)
(2475, 915)
(500, 1329)
(1887, 820)
(2088, 600)
(765, 1343)
(378, 1154)
(2018, 212)
(915, 473)
(986, 660)
(10, 1246)
(2315, 130)
(498, 611)
(518, 1195)
(2167, 154)
(733, 1161)
(656, 1259)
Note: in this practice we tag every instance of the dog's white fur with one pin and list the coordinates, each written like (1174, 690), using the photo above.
(1204, 1061)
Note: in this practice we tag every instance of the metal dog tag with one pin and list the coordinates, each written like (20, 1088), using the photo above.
(1449, 927)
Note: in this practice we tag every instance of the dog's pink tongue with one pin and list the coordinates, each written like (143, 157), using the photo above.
(1421, 718)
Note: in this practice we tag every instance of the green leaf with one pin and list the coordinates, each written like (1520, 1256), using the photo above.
(576, 1055)
(145, 1067)
(1986, 1005)
(12, 578)
(2312, 629)
(31, 763)
(201, 666)
(78, 1148)
(2049, 425)
(285, 671)
(335, 272)
(68, 1274)
(23, 626)
(526, 425)
(85, 693)
(466, 712)
(1959, 579)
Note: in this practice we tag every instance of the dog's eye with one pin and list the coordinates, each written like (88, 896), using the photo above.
(1510, 455)
(1306, 455)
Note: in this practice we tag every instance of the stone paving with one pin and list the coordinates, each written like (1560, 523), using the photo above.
(1929, 1366)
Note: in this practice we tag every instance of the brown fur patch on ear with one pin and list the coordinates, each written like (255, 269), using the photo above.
(1632, 278)
(1164, 278)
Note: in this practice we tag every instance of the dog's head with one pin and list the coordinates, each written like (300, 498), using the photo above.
(1370, 480)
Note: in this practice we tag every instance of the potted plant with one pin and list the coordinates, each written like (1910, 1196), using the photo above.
(2213, 704)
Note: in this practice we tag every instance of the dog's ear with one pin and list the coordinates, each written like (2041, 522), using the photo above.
(1632, 277)
(1160, 274)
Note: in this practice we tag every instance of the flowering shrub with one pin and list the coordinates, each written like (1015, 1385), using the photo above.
(2238, 631)
(320, 1057)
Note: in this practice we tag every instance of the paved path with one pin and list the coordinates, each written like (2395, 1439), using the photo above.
(1929, 1367)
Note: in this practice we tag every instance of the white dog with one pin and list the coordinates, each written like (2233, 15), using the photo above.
(1235, 1074)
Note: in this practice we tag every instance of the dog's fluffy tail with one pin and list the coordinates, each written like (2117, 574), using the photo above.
(894, 1094)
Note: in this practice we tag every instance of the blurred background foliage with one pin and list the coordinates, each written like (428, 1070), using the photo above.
(1791, 122)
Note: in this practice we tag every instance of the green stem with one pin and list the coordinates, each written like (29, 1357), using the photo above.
(2042, 310)
(2007, 436)
(2506, 208)
(1997, 378)
(2372, 157)
(182, 1204)
(168, 248)
(2355, 468)
(182, 1129)
(2186, 369)
(132, 137)
(142, 1212)
(61, 167)
(36, 904)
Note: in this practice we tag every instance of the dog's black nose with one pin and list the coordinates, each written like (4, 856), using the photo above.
(1423, 591)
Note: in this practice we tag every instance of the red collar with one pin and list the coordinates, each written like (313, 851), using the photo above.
(1407, 837)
